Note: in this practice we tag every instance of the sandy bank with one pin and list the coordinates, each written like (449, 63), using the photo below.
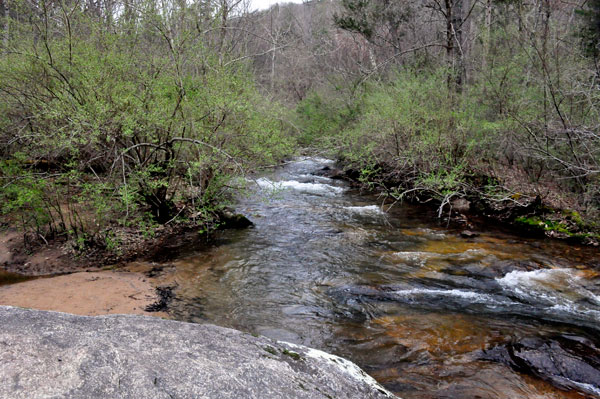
(85, 293)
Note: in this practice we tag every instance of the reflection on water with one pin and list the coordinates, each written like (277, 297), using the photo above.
(409, 300)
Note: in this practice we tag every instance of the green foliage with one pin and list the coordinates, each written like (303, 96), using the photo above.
(413, 126)
(320, 116)
(110, 126)
(527, 116)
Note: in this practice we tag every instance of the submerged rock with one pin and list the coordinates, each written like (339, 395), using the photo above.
(165, 295)
(48, 354)
(568, 362)
(332, 173)
(231, 220)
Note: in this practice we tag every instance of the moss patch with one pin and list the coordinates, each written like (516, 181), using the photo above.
(291, 354)
(271, 350)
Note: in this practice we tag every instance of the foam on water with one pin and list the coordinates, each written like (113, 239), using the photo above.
(557, 294)
(365, 210)
(314, 160)
(314, 188)
(561, 290)
(551, 285)
(320, 160)
(473, 297)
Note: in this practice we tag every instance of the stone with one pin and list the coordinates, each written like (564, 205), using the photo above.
(232, 220)
(50, 354)
(468, 234)
(332, 173)
(568, 362)
(460, 205)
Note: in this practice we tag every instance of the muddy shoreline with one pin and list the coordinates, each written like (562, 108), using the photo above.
(54, 277)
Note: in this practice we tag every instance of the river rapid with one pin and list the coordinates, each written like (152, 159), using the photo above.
(417, 306)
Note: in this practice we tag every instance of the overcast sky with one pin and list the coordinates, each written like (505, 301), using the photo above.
(262, 4)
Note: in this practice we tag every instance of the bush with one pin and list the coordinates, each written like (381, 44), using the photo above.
(107, 128)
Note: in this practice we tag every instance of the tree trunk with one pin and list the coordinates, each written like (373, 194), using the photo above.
(6, 27)
(466, 38)
(488, 34)
(457, 35)
(449, 36)
(223, 32)
(273, 48)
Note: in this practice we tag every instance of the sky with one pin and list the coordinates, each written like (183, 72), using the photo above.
(263, 4)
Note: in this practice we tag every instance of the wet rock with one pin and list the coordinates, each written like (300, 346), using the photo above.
(503, 267)
(155, 271)
(568, 362)
(460, 205)
(360, 293)
(231, 220)
(487, 273)
(332, 173)
(48, 354)
(468, 234)
(351, 301)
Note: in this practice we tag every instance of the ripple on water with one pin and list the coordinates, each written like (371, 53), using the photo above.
(425, 233)
(419, 258)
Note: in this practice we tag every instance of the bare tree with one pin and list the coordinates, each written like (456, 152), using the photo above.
(6, 24)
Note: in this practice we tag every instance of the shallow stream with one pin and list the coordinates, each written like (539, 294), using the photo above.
(405, 297)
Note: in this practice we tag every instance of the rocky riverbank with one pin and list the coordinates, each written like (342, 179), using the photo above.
(477, 201)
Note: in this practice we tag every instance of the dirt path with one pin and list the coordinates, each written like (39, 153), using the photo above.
(85, 293)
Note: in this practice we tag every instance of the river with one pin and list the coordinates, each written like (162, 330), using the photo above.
(394, 290)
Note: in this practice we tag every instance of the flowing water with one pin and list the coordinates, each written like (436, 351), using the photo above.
(404, 297)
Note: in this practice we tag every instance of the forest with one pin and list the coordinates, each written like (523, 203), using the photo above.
(120, 117)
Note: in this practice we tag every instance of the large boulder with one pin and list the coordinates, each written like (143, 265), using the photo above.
(48, 354)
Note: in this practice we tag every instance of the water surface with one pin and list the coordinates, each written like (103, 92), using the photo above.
(403, 296)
